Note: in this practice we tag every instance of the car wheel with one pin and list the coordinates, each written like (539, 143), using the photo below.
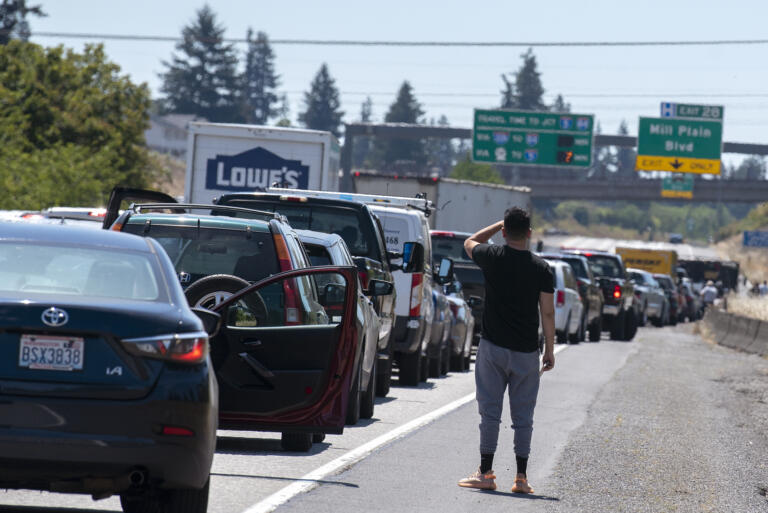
(296, 442)
(617, 327)
(673, 320)
(436, 365)
(368, 399)
(457, 362)
(630, 328)
(318, 437)
(210, 291)
(596, 329)
(446, 362)
(168, 501)
(424, 374)
(383, 377)
(353, 405)
(467, 362)
(410, 369)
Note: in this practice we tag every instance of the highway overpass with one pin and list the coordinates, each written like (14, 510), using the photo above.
(705, 191)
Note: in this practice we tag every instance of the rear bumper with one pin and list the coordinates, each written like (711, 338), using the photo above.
(90, 446)
(408, 334)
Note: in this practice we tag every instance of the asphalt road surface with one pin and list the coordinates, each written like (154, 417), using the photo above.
(668, 422)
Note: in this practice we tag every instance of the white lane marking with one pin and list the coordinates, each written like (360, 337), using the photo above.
(309, 481)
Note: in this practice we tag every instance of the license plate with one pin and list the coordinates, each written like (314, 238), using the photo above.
(43, 352)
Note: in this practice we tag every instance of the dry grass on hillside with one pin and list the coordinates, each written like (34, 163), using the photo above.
(754, 307)
(170, 172)
(753, 262)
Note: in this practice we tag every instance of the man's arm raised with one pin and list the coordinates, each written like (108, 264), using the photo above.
(481, 237)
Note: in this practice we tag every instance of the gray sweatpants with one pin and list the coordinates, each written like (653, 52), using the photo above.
(498, 369)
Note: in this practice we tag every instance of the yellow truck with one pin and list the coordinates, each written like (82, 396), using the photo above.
(651, 260)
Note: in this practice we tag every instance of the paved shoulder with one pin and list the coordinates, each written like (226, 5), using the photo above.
(681, 428)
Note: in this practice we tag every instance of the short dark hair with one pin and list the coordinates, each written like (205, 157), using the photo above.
(517, 222)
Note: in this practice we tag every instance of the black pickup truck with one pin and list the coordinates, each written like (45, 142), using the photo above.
(620, 310)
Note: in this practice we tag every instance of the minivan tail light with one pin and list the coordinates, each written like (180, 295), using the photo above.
(283, 256)
(416, 294)
(177, 347)
(363, 279)
(560, 299)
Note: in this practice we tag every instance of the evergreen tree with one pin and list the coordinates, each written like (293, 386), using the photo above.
(13, 20)
(283, 112)
(363, 144)
(203, 79)
(508, 96)
(259, 80)
(560, 105)
(405, 109)
(322, 104)
(526, 92)
(625, 157)
(440, 152)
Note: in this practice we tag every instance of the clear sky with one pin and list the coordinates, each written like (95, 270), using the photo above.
(613, 83)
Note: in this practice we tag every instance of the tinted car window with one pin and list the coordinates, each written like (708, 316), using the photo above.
(638, 278)
(443, 247)
(202, 252)
(578, 266)
(570, 281)
(605, 266)
(76, 271)
(345, 222)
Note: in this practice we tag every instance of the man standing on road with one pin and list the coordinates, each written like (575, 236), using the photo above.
(517, 285)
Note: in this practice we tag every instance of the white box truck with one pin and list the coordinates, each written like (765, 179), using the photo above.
(241, 158)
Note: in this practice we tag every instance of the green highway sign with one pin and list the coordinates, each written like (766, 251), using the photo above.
(679, 145)
(684, 110)
(532, 138)
(677, 186)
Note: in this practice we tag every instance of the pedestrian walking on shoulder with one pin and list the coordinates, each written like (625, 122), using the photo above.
(517, 285)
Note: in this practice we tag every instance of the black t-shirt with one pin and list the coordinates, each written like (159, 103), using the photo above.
(513, 281)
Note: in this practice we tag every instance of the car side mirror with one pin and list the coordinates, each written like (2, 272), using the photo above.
(334, 294)
(211, 320)
(413, 257)
(445, 273)
(379, 288)
(475, 302)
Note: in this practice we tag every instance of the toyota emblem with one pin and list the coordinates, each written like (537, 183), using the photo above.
(55, 317)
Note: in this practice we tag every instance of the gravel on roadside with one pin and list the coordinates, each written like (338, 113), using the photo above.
(683, 426)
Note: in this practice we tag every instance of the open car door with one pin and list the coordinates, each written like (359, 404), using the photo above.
(284, 356)
(119, 195)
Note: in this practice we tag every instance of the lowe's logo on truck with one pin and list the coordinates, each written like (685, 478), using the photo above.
(256, 168)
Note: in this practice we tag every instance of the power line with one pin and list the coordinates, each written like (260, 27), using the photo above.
(565, 95)
(353, 42)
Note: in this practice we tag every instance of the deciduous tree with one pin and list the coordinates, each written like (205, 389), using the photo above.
(71, 127)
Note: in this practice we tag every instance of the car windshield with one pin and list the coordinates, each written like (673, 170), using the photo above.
(342, 221)
(605, 266)
(27, 268)
(200, 252)
(578, 266)
(447, 247)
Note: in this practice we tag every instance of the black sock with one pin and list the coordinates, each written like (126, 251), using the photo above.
(486, 462)
(522, 464)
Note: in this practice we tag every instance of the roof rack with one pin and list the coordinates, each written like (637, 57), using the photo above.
(419, 202)
(138, 207)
